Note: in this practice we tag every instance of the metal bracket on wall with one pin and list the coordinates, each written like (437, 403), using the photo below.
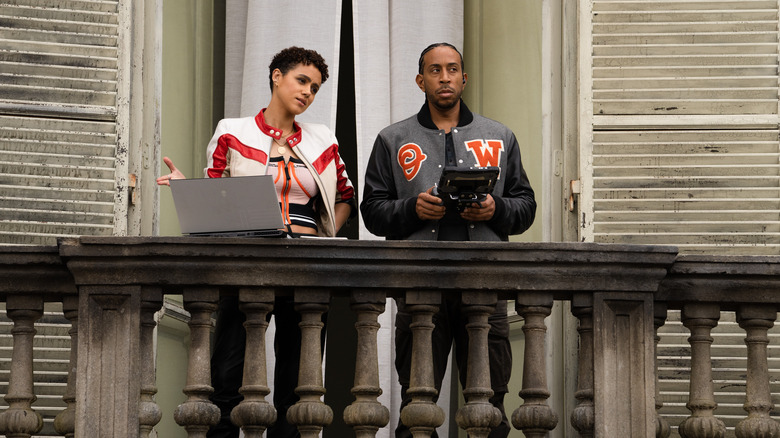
(574, 189)
(131, 183)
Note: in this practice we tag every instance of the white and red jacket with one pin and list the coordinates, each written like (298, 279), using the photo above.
(241, 147)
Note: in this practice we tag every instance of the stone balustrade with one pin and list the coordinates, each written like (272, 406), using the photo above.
(111, 287)
(702, 287)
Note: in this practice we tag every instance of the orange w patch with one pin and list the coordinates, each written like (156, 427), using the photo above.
(486, 152)
(410, 158)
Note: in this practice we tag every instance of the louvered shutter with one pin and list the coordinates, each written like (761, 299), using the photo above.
(684, 142)
(61, 157)
(679, 145)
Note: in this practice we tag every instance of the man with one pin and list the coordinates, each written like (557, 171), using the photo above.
(399, 202)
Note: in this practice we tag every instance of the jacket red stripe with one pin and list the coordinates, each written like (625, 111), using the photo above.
(219, 157)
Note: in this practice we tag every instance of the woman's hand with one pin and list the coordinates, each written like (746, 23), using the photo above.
(175, 173)
(343, 211)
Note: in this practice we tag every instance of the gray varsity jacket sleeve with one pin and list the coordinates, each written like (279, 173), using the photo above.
(383, 213)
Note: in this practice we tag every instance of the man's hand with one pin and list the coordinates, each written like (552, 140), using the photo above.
(165, 180)
(480, 211)
(429, 207)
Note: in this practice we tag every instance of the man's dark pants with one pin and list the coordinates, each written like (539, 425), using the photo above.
(450, 325)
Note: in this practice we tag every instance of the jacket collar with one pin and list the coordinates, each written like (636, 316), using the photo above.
(276, 133)
(424, 116)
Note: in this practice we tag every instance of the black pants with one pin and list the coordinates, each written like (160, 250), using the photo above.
(450, 325)
(227, 365)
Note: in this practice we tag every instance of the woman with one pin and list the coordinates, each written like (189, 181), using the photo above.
(316, 198)
(314, 191)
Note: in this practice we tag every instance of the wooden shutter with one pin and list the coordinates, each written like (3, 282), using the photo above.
(684, 114)
(60, 152)
(678, 145)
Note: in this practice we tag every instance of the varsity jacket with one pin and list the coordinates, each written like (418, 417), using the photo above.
(408, 158)
(241, 147)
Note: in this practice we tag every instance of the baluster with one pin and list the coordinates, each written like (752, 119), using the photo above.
(662, 429)
(310, 414)
(366, 415)
(478, 417)
(65, 421)
(19, 420)
(254, 414)
(583, 418)
(149, 413)
(422, 416)
(534, 417)
(756, 320)
(700, 319)
(198, 413)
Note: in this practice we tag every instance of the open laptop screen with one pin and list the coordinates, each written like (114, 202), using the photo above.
(231, 206)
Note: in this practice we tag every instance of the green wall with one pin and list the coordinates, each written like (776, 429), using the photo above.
(502, 52)
(192, 90)
(173, 337)
(193, 35)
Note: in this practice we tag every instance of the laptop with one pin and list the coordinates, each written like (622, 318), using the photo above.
(245, 206)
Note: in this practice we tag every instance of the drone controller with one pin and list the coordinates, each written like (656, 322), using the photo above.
(459, 188)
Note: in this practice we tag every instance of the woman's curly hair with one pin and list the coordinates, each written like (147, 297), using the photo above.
(290, 57)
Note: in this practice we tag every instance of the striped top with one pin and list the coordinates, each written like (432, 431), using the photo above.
(296, 190)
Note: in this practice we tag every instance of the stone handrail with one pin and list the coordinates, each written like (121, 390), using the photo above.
(702, 287)
(112, 286)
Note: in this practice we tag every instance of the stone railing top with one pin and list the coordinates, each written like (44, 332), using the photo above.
(727, 280)
(506, 267)
(33, 270)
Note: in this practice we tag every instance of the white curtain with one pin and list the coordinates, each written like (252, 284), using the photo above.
(388, 36)
(256, 30)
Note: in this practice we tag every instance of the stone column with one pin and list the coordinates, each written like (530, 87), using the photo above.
(623, 364)
(583, 417)
(19, 420)
(756, 320)
(534, 417)
(198, 413)
(310, 413)
(478, 417)
(149, 413)
(422, 415)
(366, 415)
(65, 421)
(254, 414)
(700, 319)
(108, 385)
(662, 429)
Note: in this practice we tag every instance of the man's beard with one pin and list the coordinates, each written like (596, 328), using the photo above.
(444, 105)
